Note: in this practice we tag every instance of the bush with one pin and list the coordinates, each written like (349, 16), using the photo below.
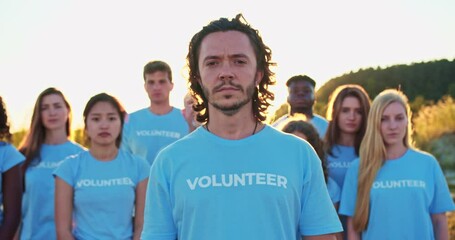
(434, 121)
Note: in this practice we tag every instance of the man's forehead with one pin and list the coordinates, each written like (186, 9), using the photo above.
(234, 43)
(301, 84)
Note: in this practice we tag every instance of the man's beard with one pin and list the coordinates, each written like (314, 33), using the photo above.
(230, 110)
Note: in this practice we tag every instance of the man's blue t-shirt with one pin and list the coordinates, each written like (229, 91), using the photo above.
(405, 193)
(104, 193)
(38, 199)
(266, 186)
(146, 133)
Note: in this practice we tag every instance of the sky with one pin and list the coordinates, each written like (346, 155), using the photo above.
(86, 47)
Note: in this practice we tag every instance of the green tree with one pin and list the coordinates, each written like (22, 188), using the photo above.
(18, 136)
(79, 137)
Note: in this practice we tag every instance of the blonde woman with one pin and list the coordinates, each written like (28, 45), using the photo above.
(394, 191)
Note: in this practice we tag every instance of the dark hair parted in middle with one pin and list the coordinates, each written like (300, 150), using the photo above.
(104, 97)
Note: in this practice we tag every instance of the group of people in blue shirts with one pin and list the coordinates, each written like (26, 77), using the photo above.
(155, 174)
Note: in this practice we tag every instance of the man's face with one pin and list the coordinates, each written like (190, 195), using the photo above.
(301, 94)
(158, 86)
(228, 70)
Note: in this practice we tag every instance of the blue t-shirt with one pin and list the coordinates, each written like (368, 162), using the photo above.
(9, 157)
(339, 161)
(405, 193)
(104, 193)
(334, 190)
(320, 123)
(266, 186)
(146, 133)
(38, 199)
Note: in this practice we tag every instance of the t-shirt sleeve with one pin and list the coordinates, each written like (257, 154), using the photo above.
(158, 218)
(334, 190)
(124, 145)
(12, 157)
(65, 170)
(143, 169)
(442, 201)
(318, 215)
(349, 192)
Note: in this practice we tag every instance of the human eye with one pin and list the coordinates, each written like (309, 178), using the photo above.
(400, 117)
(211, 63)
(240, 61)
(58, 105)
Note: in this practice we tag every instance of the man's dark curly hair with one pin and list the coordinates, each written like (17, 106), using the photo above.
(262, 96)
(5, 134)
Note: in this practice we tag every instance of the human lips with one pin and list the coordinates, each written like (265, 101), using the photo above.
(392, 135)
(226, 88)
(351, 125)
(104, 134)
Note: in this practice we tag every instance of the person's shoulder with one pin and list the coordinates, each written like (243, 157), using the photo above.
(355, 163)
(319, 118)
(9, 148)
(136, 114)
(76, 146)
(76, 158)
(6, 146)
(176, 110)
(278, 122)
(420, 155)
(130, 157)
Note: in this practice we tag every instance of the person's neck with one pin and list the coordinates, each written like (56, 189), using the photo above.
(55, 137)
(160, 108)
(104, 153)
(240, 125)
(346, 139)
(395, 151)
(307, 111)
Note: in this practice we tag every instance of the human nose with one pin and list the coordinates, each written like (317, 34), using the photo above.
(351, 115)
(393, 124)
(104, 124)
(52, 111)
(226, 72)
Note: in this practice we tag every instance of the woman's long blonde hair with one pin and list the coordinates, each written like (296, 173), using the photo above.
(373, 152)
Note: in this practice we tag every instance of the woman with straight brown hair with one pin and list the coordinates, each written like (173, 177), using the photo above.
(45, 146)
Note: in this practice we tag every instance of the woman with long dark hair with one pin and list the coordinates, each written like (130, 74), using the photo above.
(46, 144)
(102, 188)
